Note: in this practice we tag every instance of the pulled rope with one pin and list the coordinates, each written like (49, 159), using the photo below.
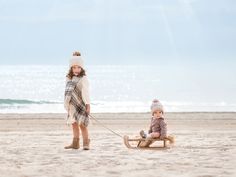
(100, 123)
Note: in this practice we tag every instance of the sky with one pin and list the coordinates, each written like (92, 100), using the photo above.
(140, 32)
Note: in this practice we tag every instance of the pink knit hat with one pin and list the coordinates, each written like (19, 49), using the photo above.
(156, 105)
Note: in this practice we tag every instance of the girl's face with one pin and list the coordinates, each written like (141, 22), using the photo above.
(157, 114)
(76, 70)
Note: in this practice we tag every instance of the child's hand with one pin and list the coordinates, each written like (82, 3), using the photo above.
(87, 111)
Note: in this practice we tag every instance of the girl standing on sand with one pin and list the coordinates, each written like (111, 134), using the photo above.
(77, 101)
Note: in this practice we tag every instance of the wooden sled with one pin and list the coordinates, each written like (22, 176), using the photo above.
(142, 143)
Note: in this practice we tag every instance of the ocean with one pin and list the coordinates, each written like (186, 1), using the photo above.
(117, 88)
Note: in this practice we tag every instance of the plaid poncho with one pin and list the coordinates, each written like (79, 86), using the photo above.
(74, 103)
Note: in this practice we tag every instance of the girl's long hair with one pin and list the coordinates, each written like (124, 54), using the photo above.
(70, 73)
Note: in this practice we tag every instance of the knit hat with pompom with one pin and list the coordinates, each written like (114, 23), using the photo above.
(76, 60)
(156, 106)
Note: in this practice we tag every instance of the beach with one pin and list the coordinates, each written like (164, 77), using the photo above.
(121, 62)
(33, 145)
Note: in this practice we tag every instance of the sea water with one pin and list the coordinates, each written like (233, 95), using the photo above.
(117, 88)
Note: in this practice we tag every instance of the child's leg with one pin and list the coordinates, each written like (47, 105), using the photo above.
(75, 142)
(85, 135)
(84, 131)
(75, 128)
(153, 135)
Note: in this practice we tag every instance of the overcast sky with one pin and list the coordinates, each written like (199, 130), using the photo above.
(117, 31)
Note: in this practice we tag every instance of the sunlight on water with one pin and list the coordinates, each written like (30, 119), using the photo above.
(116, 89)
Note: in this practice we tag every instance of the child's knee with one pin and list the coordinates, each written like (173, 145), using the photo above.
(155, 135)
(75, 124)
(82, 126)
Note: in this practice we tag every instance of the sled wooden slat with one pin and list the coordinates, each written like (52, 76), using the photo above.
(143, 139)
(143, 143)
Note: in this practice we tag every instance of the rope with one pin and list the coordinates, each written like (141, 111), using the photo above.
(105, 126)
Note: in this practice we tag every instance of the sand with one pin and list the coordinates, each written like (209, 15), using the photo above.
(33, 145)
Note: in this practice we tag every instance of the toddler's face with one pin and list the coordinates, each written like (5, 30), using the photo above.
(76, 70)
(157, 114)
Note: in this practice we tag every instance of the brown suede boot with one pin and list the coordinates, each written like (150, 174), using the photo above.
(74, 144)
(86, 143)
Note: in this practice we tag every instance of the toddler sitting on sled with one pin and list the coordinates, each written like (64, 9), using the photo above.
(158, 126)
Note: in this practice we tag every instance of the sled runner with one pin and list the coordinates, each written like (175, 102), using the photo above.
(142, 143)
